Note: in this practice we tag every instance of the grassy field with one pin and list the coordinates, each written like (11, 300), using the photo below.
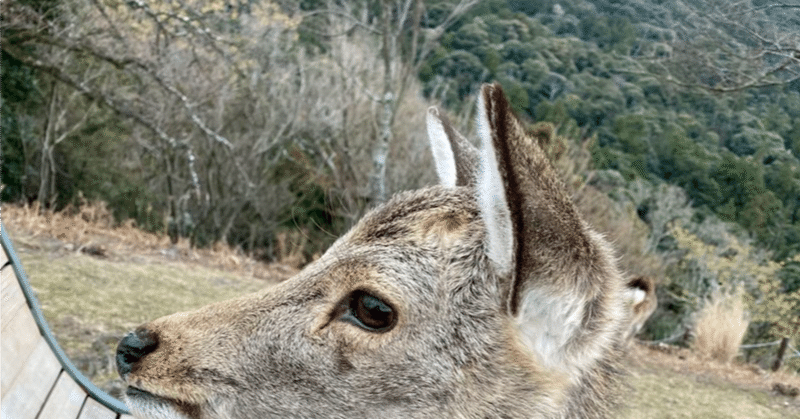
(658, 392)
(91, 303)
(92, 298)
(95, 282)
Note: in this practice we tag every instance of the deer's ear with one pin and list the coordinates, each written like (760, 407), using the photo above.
(499, 242)
(555, 275)
(455, 157)
(534, 232)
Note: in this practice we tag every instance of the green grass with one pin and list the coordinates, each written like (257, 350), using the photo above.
(667, 395)
(117, 296)
(91, 302)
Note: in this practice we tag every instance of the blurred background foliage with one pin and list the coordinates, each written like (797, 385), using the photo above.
(675, 124)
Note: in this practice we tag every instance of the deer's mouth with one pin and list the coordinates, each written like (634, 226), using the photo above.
(146, 404)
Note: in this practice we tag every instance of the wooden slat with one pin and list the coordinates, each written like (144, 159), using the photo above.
(32, 378)
(28, 391)
(65, 399)
(7, 309)
(13, 299)
(19, 340)
(94, 410)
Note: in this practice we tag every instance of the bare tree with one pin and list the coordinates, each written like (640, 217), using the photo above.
(58, 125)
(725, 46)
(233, 120)
(214, 97)
(403, 47)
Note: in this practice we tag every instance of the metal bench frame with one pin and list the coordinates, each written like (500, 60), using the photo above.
(119, 410)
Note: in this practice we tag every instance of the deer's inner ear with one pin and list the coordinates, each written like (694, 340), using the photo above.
(440, 147)
(456, 159)
(367, 311)
(492, 186)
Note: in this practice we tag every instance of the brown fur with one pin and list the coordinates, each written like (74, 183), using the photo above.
(471, 335)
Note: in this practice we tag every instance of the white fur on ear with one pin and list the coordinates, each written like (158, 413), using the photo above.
(442, 151)
(492, 198)
(637, 295)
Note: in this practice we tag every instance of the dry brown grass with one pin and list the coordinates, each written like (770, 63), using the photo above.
(91, 228)
(720, 327)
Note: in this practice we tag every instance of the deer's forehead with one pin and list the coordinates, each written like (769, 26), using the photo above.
(376, 267)
(427, 217)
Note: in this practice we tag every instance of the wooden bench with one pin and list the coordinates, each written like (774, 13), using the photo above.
(38, 380)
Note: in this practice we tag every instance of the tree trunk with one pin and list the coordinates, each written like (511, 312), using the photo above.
(781, 354)
(173, 229)
(381, 148)
(46, 167)
(44, 178)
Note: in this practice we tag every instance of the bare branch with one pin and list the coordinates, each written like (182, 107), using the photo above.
(347, 16)
(728, 48)
(769, 6)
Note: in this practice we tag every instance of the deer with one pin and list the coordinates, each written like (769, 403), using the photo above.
(484, 296)
(643, 302)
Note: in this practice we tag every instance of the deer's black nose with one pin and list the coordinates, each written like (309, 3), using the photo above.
(133, 347)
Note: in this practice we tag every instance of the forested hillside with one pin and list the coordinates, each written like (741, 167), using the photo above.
(662, 108)
(267, 124)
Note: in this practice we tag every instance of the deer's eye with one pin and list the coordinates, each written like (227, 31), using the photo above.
(369, 312)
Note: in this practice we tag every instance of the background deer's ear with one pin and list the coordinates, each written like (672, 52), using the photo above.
(456, 159)
(534, 235)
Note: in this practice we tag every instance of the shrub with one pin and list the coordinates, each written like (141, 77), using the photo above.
(720, 326)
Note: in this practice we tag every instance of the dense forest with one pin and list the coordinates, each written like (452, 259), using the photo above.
(267, 124)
